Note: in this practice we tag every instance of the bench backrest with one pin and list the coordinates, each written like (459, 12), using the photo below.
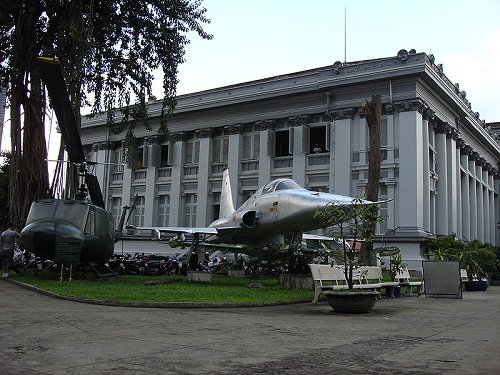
(403, 276)
(325, 272)
(368, 273)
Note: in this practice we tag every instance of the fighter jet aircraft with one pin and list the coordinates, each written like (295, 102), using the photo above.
(278, 213)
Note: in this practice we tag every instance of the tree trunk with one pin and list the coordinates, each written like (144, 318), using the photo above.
(28, 173)
(373, 112)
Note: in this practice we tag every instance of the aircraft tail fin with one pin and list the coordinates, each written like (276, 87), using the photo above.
(226, 197)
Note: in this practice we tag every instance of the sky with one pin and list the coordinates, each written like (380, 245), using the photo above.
(255, 39)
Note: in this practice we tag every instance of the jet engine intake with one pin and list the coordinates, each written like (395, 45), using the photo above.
(246, 219)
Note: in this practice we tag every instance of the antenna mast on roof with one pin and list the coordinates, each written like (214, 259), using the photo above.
(345, 31)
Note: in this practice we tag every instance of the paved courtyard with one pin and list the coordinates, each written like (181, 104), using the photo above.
(40, 334)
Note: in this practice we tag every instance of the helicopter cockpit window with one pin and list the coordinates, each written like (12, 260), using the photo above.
(90, 225)
(41, 210)
(75, 213)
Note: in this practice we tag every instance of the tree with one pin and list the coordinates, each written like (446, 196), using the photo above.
(349, 223)
(4, 189)
(373, 112)
(109, 48)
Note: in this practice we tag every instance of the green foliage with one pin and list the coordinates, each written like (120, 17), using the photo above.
(107, 48)
(397, 265)
(348, 223)
(443, 248)
(126, 288)
(478, 259)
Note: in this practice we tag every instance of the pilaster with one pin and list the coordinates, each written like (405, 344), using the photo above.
(442, 185)
(411, 200)
(264, 158)
(204, 170)
(178, 146)
(342, 156)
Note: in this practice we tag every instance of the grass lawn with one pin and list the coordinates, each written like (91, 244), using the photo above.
(128, 288)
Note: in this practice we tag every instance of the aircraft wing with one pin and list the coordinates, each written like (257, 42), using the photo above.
(307, 236)
(185, 230)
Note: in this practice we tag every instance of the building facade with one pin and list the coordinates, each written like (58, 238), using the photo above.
(440, 166)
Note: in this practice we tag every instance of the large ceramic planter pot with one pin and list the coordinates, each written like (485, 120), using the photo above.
(476, 285)
(352, 302)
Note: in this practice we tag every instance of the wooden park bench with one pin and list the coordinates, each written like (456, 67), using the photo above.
(327, 277)
(403, 278)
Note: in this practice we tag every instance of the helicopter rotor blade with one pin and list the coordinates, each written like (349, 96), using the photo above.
(51, 74)
(94, 190)
(132, 207)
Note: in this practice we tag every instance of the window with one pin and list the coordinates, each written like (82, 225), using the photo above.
(282, 143)
(216, 206)
(138, 215)
(117, 159)
(165, 156)
(221, 149)
(383, 211)
(251, 146)
(116, 209)
(190, 210)
(163, 210)
(90, 226)
(246, 195)
(383, 131)
(192, 152)
(432, 160)
(139, 159)
(319, 139)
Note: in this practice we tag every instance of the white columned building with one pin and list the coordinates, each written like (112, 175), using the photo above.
(440, 163)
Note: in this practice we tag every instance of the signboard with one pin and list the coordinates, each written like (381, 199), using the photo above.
(67, 252)
(442, 279)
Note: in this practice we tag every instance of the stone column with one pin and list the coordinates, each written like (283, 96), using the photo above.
(442, 183)
(299, 155)
(265, 159)
(411, 192)
(493, 221)
(176, 210)
(452, 170)
(479, 203)
(486, 204)
(149, 194)
(426, 116)
(234, 156)
(465, 197)
(204, 171)
(340, 169)
(473, 198)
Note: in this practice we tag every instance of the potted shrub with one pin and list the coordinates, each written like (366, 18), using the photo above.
(347, 222)
(479, 261)
(397, 266)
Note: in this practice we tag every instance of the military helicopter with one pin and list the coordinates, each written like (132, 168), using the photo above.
(76, 230)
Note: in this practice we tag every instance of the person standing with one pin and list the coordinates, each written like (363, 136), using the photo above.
(8, 240)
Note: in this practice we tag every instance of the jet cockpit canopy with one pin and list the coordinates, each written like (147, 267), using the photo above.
(280, 184)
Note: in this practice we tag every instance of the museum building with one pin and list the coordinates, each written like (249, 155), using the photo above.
(440, 167)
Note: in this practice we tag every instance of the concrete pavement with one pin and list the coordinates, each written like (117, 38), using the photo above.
(409, 335)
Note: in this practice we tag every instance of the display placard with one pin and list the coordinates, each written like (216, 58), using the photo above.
(67, 252)
(442, 279)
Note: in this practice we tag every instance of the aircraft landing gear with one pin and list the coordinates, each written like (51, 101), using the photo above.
(297, 260)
